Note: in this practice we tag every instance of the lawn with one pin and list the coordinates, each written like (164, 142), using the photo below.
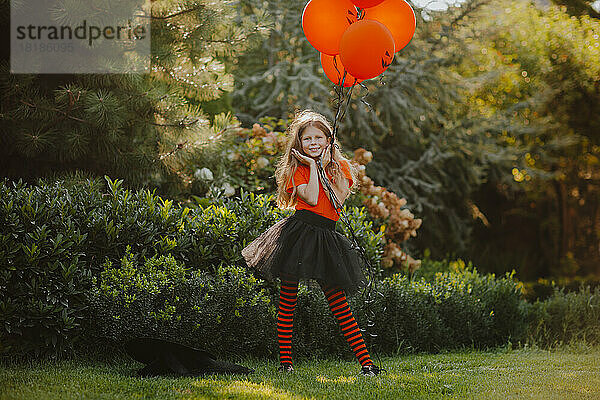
(572, 373)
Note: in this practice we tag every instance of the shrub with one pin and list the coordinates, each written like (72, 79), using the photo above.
(500, 297)
(55, 238)
(406, 317)
(227, 313)
(456, 309)
(429, 268)
(43, 275)
(203, 237)
(459, 308)
(565, 317)
(543, 289)
(232, 312)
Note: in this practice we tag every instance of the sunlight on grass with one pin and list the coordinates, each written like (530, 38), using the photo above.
(339, 379)
(522, 374)
(245, 389)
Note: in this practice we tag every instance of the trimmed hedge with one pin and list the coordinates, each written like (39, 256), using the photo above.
(56, 236)
(227, 312)
(84, 267)
(231, 312)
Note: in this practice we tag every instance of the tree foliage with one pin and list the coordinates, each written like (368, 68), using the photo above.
(542, 77)
(423, 150)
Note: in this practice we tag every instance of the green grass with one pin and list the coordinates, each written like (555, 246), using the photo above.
(572, 373)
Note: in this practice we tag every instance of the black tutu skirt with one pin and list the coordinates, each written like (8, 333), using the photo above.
(306, 245)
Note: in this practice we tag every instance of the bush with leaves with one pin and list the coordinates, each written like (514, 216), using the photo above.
(43, 271)
(56, 237)
(228, 313)
(565, 317)
(499, 298)
(203, 236)
(543, 288)
(455, 309)
(231, 312)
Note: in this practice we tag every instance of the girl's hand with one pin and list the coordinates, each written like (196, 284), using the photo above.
(303, 159)
(326, 156)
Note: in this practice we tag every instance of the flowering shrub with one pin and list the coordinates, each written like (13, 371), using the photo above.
(399, 224)
(255, 155)
(242, 159)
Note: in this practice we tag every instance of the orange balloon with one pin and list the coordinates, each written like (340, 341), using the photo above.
(336, 76)
(324, 22)
(398, 16)
(366, 3)
(367, 49)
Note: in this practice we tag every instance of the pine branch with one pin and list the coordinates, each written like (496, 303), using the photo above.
(180, 124)
(186, 144)
(178, 147)
(254, 30)
(175, 14)
(65, 114)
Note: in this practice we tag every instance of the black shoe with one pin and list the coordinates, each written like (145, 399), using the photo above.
(285, 368)
(370, 370)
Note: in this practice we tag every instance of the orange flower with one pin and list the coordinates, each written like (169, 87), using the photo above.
(258, 131)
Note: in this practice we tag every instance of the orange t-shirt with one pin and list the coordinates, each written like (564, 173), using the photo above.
(324, 206)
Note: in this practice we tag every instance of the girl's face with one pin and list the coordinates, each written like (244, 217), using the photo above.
(313, 141)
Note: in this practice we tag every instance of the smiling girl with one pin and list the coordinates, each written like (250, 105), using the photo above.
(306, 244)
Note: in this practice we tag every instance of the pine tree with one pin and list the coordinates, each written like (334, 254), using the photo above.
(141, 127)
(283, 72)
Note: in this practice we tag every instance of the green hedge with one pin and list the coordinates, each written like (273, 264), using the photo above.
(232, 312)
(227, 312)
(565, 318)
(89, 265)
(57, 235)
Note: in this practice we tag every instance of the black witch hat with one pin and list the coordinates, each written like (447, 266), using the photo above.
(168, 358)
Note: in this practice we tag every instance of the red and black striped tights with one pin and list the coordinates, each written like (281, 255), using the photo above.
(338, 304)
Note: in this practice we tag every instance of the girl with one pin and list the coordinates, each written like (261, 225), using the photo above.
(306, 244)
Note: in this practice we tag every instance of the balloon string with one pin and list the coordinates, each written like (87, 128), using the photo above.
(339, 114)
(362, 98)
(336, 66)
(360, 14)
(370, 290)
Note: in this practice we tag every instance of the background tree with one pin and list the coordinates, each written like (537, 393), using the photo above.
(538, 71)
(422, 149)
(580, 7)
